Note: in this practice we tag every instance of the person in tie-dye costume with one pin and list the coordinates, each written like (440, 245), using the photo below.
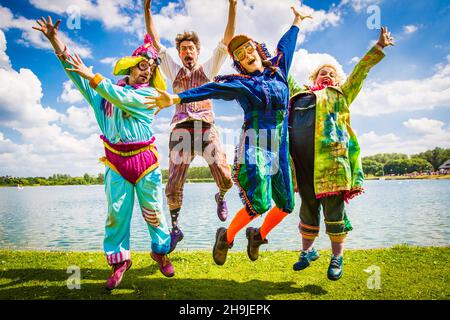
(326, 153)
(131, 157)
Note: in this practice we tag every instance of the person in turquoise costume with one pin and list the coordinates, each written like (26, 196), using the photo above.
(261, 169)
(326, 153)
(131, 157)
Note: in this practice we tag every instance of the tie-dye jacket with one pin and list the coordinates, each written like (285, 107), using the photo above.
(337, 158)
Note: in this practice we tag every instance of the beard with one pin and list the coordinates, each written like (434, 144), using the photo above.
(189, 62)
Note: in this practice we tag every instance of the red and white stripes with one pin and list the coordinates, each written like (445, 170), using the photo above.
(151, 216)
(118, 257)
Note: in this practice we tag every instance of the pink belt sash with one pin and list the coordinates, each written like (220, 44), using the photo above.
(132, 160)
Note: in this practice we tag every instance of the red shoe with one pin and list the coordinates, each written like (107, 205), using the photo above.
(165, 266)
(117, 274)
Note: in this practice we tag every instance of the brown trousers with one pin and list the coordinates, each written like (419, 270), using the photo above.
(187, 140)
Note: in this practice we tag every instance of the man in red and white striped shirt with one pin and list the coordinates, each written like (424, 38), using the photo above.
(193, 130)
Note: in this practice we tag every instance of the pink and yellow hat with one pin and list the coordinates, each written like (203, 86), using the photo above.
(144, 52)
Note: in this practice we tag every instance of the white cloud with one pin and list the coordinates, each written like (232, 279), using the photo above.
(80, 120)
(70, 94)
(263, 20)
(305, 63)
(354, 60)
(126, 15)
(31, 37)
(405, 95)
(4, 59)
(45, 148)
(425, 126)
(109, 60)
(409, 29)
(359, 5)
(427, 134)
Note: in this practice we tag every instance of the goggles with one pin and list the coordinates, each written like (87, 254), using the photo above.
(247, 48)
(146, 64)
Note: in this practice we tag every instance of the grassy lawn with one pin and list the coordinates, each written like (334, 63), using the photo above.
(406, 273)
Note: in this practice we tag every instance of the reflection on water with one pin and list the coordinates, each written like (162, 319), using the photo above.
(72, 218)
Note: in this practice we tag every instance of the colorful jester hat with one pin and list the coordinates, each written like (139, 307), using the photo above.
(144, 52)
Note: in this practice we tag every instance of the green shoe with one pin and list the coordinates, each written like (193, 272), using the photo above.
(335, 269)
(305, 259)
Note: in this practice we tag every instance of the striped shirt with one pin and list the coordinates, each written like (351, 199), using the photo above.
(183, 79)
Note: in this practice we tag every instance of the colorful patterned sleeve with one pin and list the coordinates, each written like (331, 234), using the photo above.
(213, 90)
(129, 100)
(354, 82)
(286, 49)
(92, 97)
(294, 87)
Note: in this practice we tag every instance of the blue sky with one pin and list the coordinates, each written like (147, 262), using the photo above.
(45, 129)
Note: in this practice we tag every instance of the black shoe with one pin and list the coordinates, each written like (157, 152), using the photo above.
(221, 246)
(254, 241)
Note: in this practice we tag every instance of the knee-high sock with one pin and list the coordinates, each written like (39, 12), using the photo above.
(274, 217)
(240, 220)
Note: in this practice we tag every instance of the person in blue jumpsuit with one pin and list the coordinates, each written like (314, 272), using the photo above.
(261, 169)
(131, 157)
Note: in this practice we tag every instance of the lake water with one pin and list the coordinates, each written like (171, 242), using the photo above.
(416, 212)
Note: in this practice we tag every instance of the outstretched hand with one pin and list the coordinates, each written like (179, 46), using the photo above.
(49, 30)
(79, 67)
(385, 38)
(164, 100)
(299, 16)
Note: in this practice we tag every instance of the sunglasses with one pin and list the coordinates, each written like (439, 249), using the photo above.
(247, 48)
(146, 64)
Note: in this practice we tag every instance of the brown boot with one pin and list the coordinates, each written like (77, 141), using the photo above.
(254, 241)
(221, 246)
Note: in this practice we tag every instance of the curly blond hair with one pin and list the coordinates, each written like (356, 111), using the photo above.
(315, 73)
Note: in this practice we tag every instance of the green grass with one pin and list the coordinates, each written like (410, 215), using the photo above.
(406, 273)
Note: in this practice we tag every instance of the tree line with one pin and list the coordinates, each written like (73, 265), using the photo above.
(378, 165)
(399, 163)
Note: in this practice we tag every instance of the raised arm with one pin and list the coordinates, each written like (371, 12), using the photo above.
(286, 45)
(212, 90)
(150, 27)
(231, 24)
(129, 100)
(50, 31)
(352, 86)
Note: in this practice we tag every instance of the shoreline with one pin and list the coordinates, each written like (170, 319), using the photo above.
(421, 177)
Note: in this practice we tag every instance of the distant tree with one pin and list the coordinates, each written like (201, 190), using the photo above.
(419, 165)
(372, 167)
(402, 166)
(87, 178)
(100, 178)
(436, 157)
(385, 157)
